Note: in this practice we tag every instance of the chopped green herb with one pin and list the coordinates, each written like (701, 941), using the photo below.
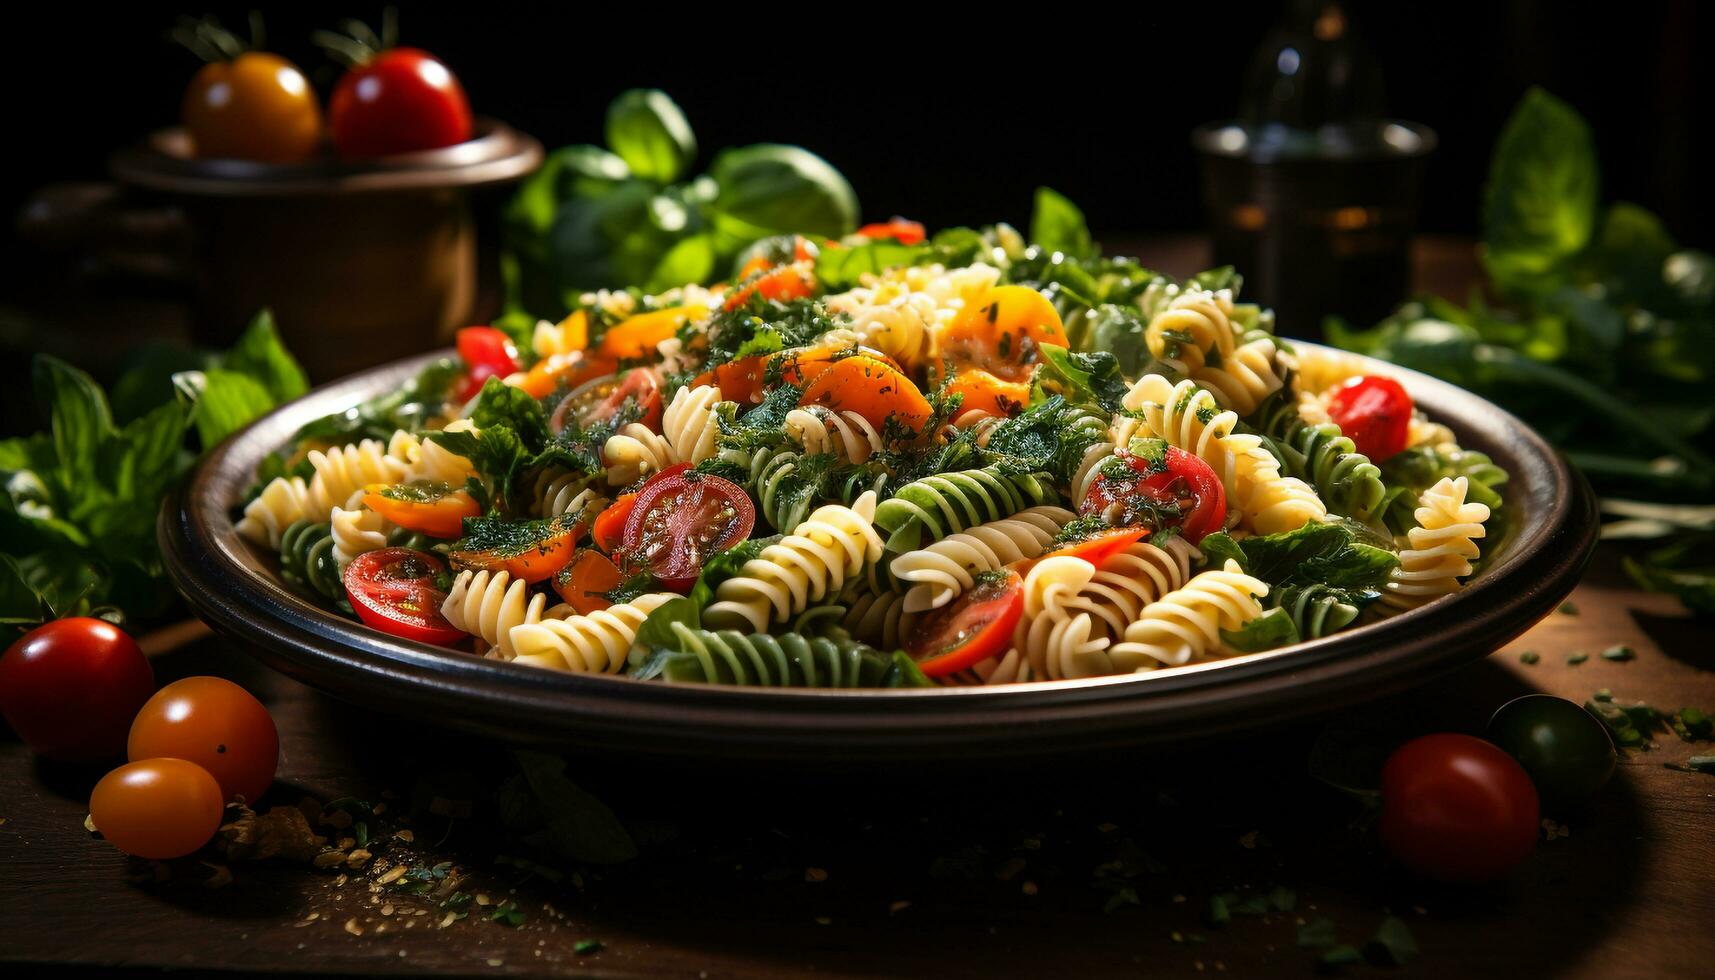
(1529, 658)
(1569, 608)
(1693, 724)
(585, 947)
(1576, 657)
(1618, 652)
(1318, 933)
(508, 913)
(1218, 913)
(1392, 944)
(1342, 955)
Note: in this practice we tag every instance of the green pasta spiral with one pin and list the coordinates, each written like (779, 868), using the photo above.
(834, 660)
(1322, 456)
(949, 502)
(307, 559)
(1315, 609)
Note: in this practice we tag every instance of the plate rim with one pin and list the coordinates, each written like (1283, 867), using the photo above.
(226, 584)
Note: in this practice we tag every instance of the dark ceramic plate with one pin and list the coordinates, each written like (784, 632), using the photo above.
(1551, 513)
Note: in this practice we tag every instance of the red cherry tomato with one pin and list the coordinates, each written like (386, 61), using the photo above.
(902, 231)
(393, 590)
(486, 353)
(970, 629)
(69, 688)
(1099, 547)
(603, 398)
(682, 517)
(1375, 412)
(1456, 808)
(158, 808)
(1134, 493)
(217, 725)
(399, 101)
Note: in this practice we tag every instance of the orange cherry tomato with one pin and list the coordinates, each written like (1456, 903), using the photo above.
(534, 551)
(1003, 332)
(1099, 547)
(157, 808)
(984, 391)
(565, 370)
(788, 282)
(258, 106)
(435, 509)
(586, 579)
(900, 230)
(870, 387)
(609, 527)
(217, 725)
(970, 629)
(635, 337)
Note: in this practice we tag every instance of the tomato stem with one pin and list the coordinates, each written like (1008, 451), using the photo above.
(211, 42)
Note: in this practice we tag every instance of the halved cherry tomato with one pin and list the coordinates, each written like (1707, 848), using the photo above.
(984, 391)
(393, 590)
(600, 399)
(787, 282)
(1134, 491)
(586, 579)
(803, 249)
(217, 725)
(532, 550)
(970, 629)
(682, 517)
(902, 231)
(1375, 413)
(635, 337)
(564, 370)
(870, 387)
(435, 509)
(1003, 332)
(608, 532)
(1102, 545)
(487, 353)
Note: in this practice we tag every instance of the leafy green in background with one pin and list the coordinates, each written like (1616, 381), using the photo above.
(632, 214)
(77, 520)
(1605, 339)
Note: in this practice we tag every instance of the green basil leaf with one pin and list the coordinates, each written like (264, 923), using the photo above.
(840, 268)
(260, 354)
(691, 260)
(770, 189)
(1082, 379)
(648, 130)
(222, 402)
(79, 417)
(1539, 208)
(1057, 225)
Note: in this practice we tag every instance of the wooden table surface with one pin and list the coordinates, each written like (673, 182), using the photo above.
(1091, 867)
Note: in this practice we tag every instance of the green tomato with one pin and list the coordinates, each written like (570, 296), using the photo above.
(1565, 749)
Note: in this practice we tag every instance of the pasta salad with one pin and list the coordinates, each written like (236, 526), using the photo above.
(883, 461)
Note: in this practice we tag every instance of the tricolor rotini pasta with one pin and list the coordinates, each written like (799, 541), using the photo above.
(967, 461)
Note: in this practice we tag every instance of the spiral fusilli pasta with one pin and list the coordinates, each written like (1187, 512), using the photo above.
(1442, 546)
(832, 545)
(932, 576)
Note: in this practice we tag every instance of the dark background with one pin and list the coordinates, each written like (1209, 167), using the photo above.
(949, 121)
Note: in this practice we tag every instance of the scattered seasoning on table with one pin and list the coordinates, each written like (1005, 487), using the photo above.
(1618, 652)
(587, 947)
(1697, 763)
(1393, 944)
(1529, 657)
(1569, 608)
(1576, 657)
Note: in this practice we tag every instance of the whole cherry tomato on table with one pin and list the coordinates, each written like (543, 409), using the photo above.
(70, 688)
(1456, 808)
(157, 808)
(1564, 748)
(391, 99)
(217, 725)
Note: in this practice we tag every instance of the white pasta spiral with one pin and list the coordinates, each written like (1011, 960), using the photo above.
(280, 503)
(430, 461)
(689, 424)
(818, 557)
(345, 470)
(488, 605)
(948, 567)
(1244, 377)
(1127, 582)
(1187, 623)
(356, 530)
(1442, 546)
(635, 451)
(594, 642)
(1194, 325)
(559, 493)
(819, 429)
(1011, 667)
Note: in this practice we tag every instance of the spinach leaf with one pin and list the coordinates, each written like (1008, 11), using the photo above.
(1272, 629)
(1087, 379)
(770, 189)
(1057, 225)
(649, 131)
(840, 268)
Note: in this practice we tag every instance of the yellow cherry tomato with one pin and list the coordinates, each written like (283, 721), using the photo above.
(258, 106)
